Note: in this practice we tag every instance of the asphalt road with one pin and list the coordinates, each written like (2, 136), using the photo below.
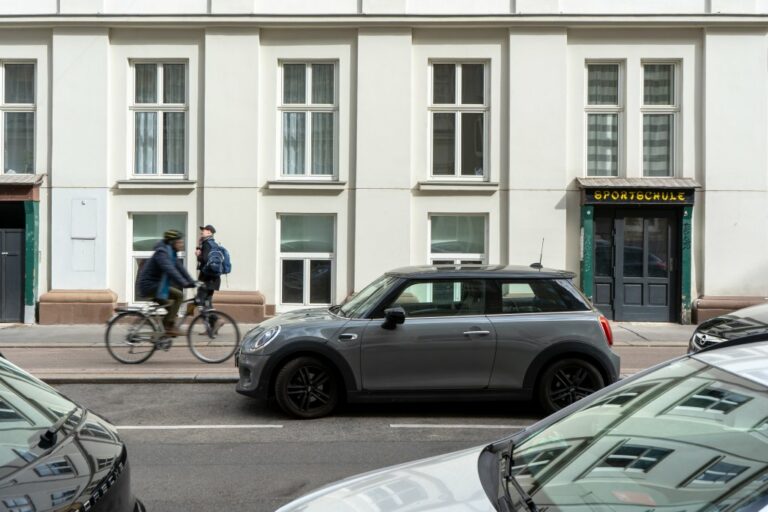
(202, 447)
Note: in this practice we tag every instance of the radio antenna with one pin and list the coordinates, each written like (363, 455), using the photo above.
(538, 264)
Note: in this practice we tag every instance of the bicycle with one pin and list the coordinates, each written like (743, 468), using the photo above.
(134, 333)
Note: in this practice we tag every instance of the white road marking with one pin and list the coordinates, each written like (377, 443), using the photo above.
(430, 425)
(192, 427)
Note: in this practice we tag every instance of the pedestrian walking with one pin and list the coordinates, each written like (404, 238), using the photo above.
(209, 270)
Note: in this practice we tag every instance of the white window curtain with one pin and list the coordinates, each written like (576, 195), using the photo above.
(603, 144)
(146, 143)
(658, 126)
(19, 83)
(294, 132)
(603, 84)
(174, 129)
(19, 143)
(146, 83)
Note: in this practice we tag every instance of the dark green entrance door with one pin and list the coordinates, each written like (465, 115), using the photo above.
(11, 275)
(636, 264)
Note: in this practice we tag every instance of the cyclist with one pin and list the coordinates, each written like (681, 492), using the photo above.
(163, 275)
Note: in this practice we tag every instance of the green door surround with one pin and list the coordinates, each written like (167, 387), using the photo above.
(31, 244)
(587, 257)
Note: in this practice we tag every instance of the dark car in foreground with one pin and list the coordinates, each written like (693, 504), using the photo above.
(689, 435)
(751, 321)
(55, 455)
(435, 333)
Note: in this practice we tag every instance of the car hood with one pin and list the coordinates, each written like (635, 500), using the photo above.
(86, 462)
(302, 316)
(447, 482)
(744, 322)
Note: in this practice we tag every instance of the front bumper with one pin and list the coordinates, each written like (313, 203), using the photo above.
(251, 368)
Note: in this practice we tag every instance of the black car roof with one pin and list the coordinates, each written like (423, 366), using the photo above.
(475, 271)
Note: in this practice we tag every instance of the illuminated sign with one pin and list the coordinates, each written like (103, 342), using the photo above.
(638, 196)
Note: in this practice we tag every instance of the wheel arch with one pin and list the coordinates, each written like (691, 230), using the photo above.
(311, 349)
(568, 349)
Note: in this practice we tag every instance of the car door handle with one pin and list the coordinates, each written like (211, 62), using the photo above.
(477, 333)
(347, 336)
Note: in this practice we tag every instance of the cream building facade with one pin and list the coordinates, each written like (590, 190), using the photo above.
(331, 141)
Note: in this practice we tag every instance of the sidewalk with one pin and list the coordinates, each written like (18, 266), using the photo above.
(76, 353)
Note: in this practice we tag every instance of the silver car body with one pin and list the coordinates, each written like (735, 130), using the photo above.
(453, 482)
(464, 356)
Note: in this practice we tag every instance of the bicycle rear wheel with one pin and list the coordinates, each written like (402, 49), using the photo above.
(213, 336)
(130, 337)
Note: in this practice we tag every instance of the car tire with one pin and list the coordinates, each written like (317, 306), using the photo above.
(307, 387)
(566, 381)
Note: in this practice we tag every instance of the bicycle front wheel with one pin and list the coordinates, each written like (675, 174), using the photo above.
(130, 337)
(213, 336)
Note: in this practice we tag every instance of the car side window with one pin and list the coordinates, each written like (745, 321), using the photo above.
(535, 296)
(447, 297)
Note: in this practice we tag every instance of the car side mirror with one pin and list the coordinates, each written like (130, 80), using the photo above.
(393, 317)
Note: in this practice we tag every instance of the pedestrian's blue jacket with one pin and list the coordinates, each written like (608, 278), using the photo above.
(162, 271)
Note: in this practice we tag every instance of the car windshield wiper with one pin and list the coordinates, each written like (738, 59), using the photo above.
(509, 479)
(48, 438)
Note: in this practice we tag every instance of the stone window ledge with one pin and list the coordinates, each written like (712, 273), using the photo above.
(156, 184)
(330, 186)
(478, 187)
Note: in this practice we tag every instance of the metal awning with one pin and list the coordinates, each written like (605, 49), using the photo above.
(654, 183)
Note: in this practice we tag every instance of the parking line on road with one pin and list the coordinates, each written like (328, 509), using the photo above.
(192, 427)
(431, 425)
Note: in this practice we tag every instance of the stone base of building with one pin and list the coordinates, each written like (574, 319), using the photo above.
(245, 307)
(77, 306)
(707, 307)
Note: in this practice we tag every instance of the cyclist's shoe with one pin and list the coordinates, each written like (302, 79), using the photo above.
(173, 332)
(164, 345)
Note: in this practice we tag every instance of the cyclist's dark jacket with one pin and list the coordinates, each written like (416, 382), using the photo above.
(162, 271)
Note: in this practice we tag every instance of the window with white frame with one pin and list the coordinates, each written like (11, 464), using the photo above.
(604, 108)
(307, 253)
(159, 115)
(18, 126)
(457, 239)
(309, 119)
(147, 230)
(458, 115)
(659, 111)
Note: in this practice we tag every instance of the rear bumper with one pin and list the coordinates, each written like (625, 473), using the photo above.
(615, 368)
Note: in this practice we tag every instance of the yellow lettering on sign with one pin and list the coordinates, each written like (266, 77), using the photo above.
(598, 195)
(624, 195)
(665, 196)
(615, 195)
(681, 196)
(656, 196)
(632, 195)
(640, 196)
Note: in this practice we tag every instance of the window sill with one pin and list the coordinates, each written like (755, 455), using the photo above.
(330, 186)
(478, 187)
(156, 184)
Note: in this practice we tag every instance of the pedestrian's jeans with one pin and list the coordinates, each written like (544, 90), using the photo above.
(172, 305)
(205, 295)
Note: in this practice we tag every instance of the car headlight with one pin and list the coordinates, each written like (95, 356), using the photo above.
(260, 340)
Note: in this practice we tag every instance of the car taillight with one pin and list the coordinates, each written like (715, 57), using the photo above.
(607, 330)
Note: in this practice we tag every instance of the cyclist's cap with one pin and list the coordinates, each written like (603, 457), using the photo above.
(171, 235)
(208, 227)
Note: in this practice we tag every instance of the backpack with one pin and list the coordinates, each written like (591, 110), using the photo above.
(218, 260)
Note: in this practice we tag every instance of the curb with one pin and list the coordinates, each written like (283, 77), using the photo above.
(136, 379)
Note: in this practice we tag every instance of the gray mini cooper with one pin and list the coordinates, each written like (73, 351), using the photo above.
(432, 333)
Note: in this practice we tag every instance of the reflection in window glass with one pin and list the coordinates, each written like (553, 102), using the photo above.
(306, 233)
(603, 84)
(714, 400)
(719, 473)
(472, 131)
(458, 234)
(442, 298)
(472, 86)
(293, 281)
(634, 457)
(148, 228)
(443, 143)
(444, 83)
(531, 464)
(19, 83)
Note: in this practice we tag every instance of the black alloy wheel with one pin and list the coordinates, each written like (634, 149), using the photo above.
(307, 387)
(567, 381)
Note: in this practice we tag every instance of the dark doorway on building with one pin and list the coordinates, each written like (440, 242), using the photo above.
(637, 264)
(11, 262)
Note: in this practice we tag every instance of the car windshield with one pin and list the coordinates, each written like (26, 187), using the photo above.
(361, 304)
(685, 438)
(27, 408)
